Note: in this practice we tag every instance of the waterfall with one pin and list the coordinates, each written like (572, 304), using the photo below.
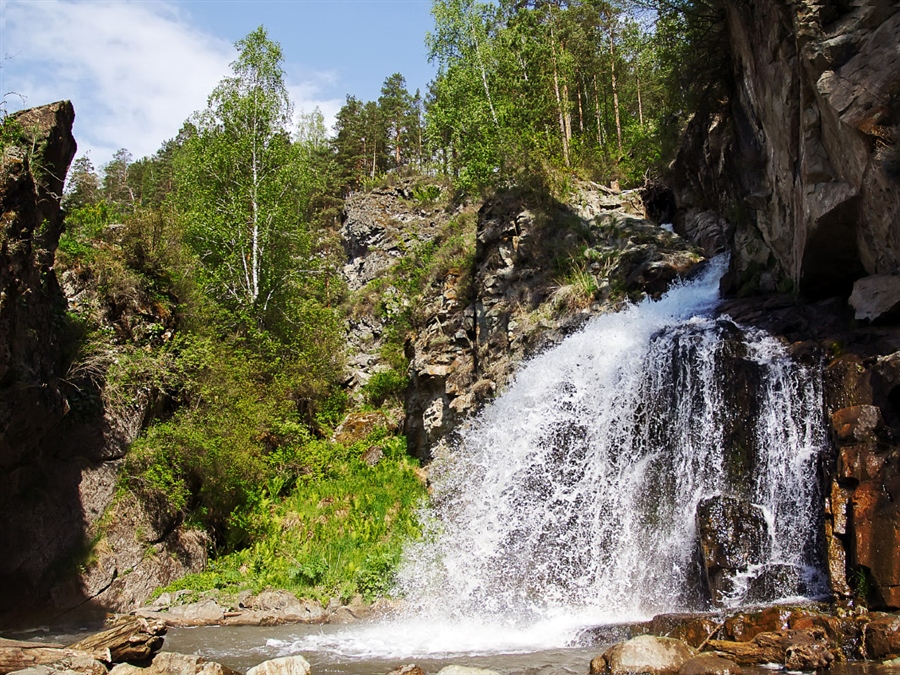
(572, 499)
(577, 489)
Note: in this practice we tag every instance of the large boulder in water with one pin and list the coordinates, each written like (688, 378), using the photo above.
(643, 654)
(733, 536)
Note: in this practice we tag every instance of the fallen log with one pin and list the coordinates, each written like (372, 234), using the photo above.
(130, 638)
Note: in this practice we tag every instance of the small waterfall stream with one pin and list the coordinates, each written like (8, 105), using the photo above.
(572, 499)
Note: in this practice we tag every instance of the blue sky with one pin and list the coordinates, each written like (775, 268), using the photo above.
(136, 70)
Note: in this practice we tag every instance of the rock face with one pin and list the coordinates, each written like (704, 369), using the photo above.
(797, 162)
(60, 448)
(479, 323)
(32, 310)
(733, 537)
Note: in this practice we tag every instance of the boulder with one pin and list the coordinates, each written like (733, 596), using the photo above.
(70, 665)
(286, 665)
(733, 536)
(356, 426)
(172, 663)
(876, 297)
(643, 654)
(465, 670)
(288, 607)
(409, 669)
(882, 637)
(709, 664)
(856, 423)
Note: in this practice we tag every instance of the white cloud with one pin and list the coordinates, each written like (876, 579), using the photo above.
(133, 70)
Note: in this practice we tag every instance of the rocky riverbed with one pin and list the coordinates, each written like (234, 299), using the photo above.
(793, 638)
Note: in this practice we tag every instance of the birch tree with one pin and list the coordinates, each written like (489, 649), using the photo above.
(236, 178)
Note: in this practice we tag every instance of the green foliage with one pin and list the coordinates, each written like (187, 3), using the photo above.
(339, 531)
(384, 385)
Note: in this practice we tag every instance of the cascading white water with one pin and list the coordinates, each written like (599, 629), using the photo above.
(572, 498)
(577, 489)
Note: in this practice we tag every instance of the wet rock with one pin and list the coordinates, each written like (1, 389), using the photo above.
(288, 665)
(689, 628)
(643, 654)
(709, 664)
(856, 423)
(876, 297)
(882, 637)
(733, 536)
(172, 663)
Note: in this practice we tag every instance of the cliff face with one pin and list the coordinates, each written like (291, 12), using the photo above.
(797, 174)
(800, 165)
(59, 464)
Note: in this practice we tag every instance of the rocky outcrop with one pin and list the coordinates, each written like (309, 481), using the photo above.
(477, 324)
(794, 172)
(63, 434)
(733, 537)
(527, 271)
(32, 322)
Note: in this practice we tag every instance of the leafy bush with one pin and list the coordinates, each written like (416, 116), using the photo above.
(384, 385)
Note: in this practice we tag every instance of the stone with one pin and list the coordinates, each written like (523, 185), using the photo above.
(286, 665)
(802, 649)
(882, 637)
(358, 425)
(643, 654)
(172, 663)
(70, 665)
(410, 669)
(812, 195)
(733, 536)
(856, 423)
(465, 670)
(709, 664)
(875, 297)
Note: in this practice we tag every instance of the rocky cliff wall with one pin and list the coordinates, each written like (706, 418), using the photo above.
(537, 269)
(59, 462)
(797, 172)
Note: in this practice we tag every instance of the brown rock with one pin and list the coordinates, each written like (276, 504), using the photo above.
(882, 637)
(804, 649)
(688, 628)
(410, 669)
(709, 664)
(856, 423)
(356, 426)
(287, 665)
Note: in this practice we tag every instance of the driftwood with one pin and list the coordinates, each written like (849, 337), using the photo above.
(15, 655)
(796, 649)
(130, 638)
